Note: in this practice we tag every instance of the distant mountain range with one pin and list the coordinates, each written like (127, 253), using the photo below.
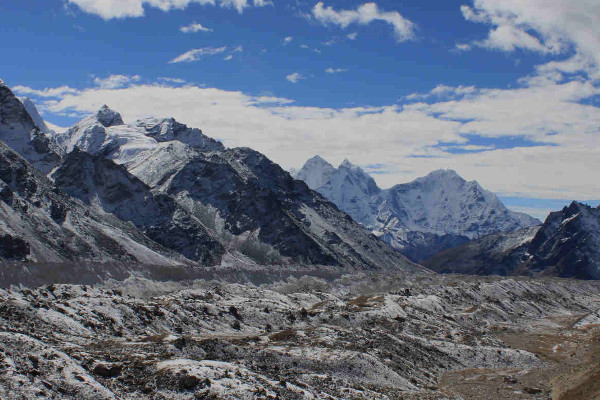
(158, 192)
(419, 218)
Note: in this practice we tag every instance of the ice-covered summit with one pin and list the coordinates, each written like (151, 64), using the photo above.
(105, 133)
(315, 172)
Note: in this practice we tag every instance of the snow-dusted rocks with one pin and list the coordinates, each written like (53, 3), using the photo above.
(252, 195)
(295, 339)
(167, 129)
(419, 218)
(19, 131)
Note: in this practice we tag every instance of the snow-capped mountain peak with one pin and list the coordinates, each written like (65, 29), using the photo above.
(315, 172)
(105, 133)
(439, 205)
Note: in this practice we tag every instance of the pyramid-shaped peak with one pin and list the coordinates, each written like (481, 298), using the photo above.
(317, 158)
(108, 117)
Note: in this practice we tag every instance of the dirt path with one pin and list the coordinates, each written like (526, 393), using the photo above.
(572, 370)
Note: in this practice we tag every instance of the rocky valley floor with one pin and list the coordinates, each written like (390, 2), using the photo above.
(356, 337)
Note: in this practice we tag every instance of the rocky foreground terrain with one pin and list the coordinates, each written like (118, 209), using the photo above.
(361, 336)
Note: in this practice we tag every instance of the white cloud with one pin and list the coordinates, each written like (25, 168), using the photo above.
(109, 9)
(509, 38)
(331, 70)
(295, 77)
(364, 15)
(409, 140)
(287, 40)
(228, 58)
(546, 26)
(197, 54)
(115, 81)
(194, 27)
(352, 36)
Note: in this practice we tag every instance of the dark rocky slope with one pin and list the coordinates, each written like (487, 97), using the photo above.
(106, 186)
(566, 245)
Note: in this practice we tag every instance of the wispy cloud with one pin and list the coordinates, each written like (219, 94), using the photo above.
(115, 81)
(287, 40)
(194, 27)
(331, 70)
(364, 15)
(352, 36)
(197, 54)
(45, 93)
(295, 77)
(172, 80)
(442, 90)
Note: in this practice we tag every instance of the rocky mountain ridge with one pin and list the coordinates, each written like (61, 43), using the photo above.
(566, 245)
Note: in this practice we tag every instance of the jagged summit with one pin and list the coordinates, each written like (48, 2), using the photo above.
(108, 117)
(21, 133)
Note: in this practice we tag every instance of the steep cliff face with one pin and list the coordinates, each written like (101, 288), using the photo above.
(110, 188)
(20, 133)
(568, 244)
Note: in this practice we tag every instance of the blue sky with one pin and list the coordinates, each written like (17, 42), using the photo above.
(499, 92)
